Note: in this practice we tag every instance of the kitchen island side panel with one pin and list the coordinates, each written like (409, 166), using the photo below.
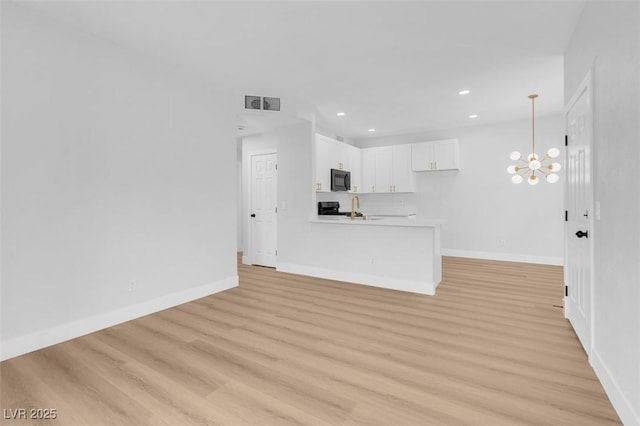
(396, 257)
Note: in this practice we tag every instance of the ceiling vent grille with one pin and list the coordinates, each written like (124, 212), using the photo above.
(252, 102)
(271, 104)
(266, 103)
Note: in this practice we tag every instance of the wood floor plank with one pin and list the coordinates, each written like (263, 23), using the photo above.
(492, 347)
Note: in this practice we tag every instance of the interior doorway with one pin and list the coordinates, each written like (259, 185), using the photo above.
(263, 200)
(579, 206)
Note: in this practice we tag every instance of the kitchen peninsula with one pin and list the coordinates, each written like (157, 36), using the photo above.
(390, 252)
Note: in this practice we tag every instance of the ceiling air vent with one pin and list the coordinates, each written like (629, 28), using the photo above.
(252, 102)
(339, 138)
(271, 104)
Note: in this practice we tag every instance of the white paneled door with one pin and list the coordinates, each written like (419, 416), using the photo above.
(578, 231)
(263, 209)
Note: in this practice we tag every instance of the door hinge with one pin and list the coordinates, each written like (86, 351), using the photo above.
(566, 215)
(276, 210)
(276, 167)
(276, 252)
(566, 291)
(566, 140)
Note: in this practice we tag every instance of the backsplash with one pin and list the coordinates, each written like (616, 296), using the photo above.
(401, 203)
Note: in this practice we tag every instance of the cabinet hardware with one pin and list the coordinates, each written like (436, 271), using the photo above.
(340, 166)
(318, 186)
(581, 234)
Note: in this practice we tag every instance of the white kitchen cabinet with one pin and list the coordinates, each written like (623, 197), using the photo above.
(402, 177)
(435, 155)
(323, 164)
(384, 169)
(369, 170)
(333, 154)
(388, 169)
(355, 167)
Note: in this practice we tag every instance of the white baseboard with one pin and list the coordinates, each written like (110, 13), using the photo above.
(51, 336)
(508, 257)
(625, 409)
(414, 286)
(246, 260)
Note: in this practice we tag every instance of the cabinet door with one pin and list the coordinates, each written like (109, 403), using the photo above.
(323, 165)
(384, 169)
(369, 170)
(422, 156)
(341, 155)
(436, 155)
(355, 167)
(403, 179)
(445, 154)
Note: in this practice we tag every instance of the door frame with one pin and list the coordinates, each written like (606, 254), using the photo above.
(246, 200)
(585, 84)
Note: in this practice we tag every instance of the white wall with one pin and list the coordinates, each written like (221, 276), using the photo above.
(607, 40)
(487, 215)
(293, 146)
(114, 169)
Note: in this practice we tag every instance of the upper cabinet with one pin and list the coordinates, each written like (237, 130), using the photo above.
(355, 167)
(332, 154)
(323, 164)
(369, 170)
(382, 169)
(404, 180)
(388, 169)
(436, 155)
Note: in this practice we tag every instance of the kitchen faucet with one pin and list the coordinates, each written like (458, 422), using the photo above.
(353, 211)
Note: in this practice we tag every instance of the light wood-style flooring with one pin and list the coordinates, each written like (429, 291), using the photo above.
(489, 349)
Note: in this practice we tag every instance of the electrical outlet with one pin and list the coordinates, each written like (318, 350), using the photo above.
(132, 285)
(503, 243)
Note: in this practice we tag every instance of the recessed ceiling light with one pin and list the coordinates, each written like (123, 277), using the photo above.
(464, 92)
(340, 114)
(473, 116)
(372, 130)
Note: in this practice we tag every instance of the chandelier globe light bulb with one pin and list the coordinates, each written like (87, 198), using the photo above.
(533, 180)
(532, 156)
(512, 169)
(553, 152)
(555, 167)
(515, 155)
(552, 178)
(534, 165)
(517, 179)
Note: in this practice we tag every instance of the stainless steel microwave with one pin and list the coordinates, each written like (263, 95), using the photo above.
(340, 180)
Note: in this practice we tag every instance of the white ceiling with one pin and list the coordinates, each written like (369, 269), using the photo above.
(393, 66)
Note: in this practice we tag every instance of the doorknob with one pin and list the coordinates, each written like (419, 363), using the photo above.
(581, 234)
(253, 215)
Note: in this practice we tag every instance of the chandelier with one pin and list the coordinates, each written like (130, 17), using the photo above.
(532, 166)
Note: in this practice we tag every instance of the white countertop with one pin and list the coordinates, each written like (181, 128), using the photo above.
(412, 221)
